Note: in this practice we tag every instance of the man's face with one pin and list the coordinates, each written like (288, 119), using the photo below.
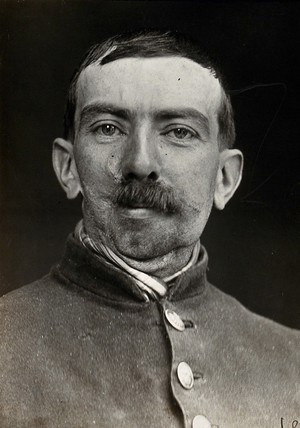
(143, 123)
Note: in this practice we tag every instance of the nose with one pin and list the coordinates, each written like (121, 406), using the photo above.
(141, 158)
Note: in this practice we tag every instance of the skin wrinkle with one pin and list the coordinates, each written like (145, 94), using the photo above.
(212, 97)
(115, 49)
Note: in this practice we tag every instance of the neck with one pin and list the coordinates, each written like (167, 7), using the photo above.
(161, 266)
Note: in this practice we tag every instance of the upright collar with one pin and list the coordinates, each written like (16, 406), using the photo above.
(82, 267)
(153, 288)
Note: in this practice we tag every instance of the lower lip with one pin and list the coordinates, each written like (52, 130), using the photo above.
(138, 213)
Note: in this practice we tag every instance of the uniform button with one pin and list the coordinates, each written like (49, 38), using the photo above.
(174, 320)
(185, 375)
(201, 421)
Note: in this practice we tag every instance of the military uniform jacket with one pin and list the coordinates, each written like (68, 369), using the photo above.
(81, 348)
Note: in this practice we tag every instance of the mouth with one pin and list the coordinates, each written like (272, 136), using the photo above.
(138, 212)
(152, 198)
(137, 205)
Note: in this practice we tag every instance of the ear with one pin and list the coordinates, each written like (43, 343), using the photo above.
(229, 176)
(65, 167)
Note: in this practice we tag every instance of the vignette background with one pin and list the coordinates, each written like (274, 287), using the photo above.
(253, 245)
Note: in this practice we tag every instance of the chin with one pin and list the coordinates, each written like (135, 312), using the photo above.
(139, 250)
(141, 247)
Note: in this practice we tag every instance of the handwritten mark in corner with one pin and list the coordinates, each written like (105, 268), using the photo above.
(289, 424)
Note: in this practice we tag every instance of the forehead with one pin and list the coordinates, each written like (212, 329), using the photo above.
(142, 84)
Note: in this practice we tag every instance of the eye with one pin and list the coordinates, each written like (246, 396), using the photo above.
(181, 133)
(108, 130)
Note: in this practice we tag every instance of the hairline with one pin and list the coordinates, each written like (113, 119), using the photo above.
(98, 62)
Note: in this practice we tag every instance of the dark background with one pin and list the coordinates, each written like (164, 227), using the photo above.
(254, 244)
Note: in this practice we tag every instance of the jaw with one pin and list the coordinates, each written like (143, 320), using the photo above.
(152, 242)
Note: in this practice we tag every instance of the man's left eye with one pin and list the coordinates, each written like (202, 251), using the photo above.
(181, 133)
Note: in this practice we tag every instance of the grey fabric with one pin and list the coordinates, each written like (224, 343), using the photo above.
(80, 348)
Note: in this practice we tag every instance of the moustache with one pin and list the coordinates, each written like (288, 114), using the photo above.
(153, 195)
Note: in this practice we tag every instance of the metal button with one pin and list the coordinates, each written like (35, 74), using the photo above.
(185, 375)
(201, 421)
(174, 320)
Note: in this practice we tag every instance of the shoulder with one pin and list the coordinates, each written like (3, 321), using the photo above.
(243, 321)
(257, 342)
(32, 308)
(29, 296)
(260, 356)
(229, 328)
(21, 309)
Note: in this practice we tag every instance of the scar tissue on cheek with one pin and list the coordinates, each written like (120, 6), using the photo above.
(112, 167)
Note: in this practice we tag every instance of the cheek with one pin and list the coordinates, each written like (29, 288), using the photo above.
(193, 177)
(99, 160)
(95, 174)
(113, 169)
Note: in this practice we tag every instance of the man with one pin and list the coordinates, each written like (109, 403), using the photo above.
(126, 331)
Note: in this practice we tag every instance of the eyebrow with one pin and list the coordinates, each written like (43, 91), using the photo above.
(185, 113)
(89, 112)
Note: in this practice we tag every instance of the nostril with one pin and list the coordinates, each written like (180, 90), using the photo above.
(153, 176)
(130, 176)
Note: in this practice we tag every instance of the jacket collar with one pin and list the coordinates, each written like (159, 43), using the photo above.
(82, 267)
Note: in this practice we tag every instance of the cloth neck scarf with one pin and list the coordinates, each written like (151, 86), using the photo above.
(152, 287)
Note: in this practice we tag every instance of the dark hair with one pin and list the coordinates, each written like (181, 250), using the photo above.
(149, 44)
